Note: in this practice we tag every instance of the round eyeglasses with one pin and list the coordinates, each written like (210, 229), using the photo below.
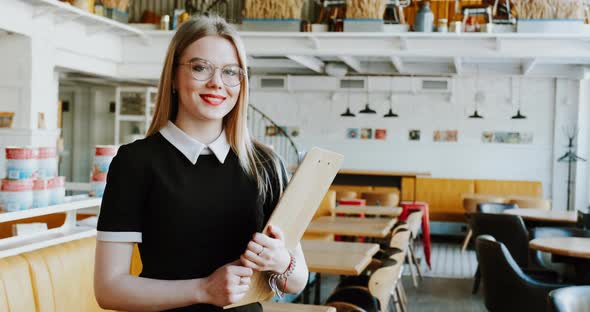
(231, 75)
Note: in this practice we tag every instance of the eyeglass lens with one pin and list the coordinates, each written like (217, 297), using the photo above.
(231, 75)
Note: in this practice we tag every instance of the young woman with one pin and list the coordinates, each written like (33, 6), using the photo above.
(196, 192)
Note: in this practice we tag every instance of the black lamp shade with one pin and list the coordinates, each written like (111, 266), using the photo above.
(367, 110)
(476, 115)
(347, 113)
(519, 115)
(391, 114)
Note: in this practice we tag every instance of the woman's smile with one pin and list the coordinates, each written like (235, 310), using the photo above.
(212, 99)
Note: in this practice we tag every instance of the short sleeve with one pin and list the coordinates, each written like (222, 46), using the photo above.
(272, 201)
(124, 198)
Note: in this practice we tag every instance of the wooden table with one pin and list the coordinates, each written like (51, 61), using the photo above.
(578, 247)
(339, 247)
(370, 210)
(573, 250)
(342, 258)
(377, 178)
(542, 215)
(374, 227)
(289, 307)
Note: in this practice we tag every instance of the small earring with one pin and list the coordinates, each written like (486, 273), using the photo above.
(173, 91)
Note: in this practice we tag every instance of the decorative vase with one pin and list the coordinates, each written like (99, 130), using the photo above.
(424, 18)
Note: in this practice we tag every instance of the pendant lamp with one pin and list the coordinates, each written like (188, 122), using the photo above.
(479, 97)
(367, 109)
(390, 113)
(347, 113)
(518, 114)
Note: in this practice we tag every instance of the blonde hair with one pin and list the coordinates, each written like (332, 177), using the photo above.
(256, 159)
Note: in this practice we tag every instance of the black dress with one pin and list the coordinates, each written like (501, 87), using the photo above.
(193, 219)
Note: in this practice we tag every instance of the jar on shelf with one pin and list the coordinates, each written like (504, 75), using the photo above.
(40, 193)
(16, 195)
(57, 190)
(46, 162)
(21, 163)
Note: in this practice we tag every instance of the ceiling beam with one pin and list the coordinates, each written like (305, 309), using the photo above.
(353, 63)
(528, 66)
(458, 65)
(398, 64)
(310, 62)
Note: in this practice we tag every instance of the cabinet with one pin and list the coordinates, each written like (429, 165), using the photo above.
(134, 108)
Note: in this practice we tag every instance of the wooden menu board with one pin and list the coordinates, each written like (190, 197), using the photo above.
(299, 203)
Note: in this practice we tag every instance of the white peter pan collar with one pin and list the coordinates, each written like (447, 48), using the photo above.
(192, 148)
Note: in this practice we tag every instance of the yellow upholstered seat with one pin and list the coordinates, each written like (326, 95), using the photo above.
(16, 290)
(63, 276)
(444, 197)
(509, 188)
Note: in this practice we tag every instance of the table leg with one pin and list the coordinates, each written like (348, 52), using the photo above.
(306, 290)
(318, 288)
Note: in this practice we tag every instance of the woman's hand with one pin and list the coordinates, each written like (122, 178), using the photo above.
(228, 284)
(267, 252)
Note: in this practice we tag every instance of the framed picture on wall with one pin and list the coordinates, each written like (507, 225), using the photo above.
(414, 135)
(366, 133)
(380, 134)
(352, 133)
(446, 136)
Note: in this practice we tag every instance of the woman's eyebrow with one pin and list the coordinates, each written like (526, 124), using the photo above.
(206, 60)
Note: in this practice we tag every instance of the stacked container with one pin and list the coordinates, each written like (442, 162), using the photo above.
(17, 195)
(46, 163)
(57, 190)
(21, 163)
(31, 179)
(103, 156)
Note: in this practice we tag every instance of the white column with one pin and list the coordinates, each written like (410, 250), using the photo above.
(582, 186)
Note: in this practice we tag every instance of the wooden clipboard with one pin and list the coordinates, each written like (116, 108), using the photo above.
(299, 203)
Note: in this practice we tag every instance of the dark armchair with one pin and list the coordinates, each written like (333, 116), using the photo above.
(506, 286)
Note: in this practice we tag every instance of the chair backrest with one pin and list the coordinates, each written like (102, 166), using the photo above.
(382, 282)
(346, 195)
(507, 229)
(494, 207)
(354, 299)
(531, 202)
(415, 222)
(505, 286)
(570, 299)
(542, 259)
(381, 198)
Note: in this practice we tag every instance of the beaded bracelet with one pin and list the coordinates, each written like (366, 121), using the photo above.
(272, 279)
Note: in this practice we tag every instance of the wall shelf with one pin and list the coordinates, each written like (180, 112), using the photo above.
(69, 231)
(68, 12)
(65, 207)
(447, 54)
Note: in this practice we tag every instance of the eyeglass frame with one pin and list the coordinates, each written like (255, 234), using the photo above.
(242, 71)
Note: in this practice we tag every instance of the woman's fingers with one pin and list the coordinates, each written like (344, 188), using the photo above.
(276, 232)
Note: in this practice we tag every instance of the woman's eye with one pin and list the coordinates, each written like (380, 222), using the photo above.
(199, 68)
(230, 71)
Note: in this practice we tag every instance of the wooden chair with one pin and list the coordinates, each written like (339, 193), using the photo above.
(530, 202)
(470, 202)
(381, 199)
(340, 195)
(414, 225)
